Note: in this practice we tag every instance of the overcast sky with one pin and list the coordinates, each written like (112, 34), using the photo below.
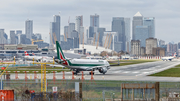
(13, 14)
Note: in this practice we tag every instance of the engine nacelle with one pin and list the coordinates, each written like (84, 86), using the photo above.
(103, 70)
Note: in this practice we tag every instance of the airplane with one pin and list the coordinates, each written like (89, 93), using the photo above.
(27, 56)
(38, 58)
(169, 58)
(78, 65)
(44, 58)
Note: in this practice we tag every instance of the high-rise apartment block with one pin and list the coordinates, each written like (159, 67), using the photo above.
(29, 29)
(55, 27)
(94, 20)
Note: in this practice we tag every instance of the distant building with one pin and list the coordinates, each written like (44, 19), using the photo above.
(142, 33)
(81, 34)
(158, 51)
(150, 44)
(13, 37)
(20, 47)
(86, 34)
(161, 43)
(71, 28)
(62, 37)
(71, 43)
(74, 34)
(29, 29)
(127, 33)
(79, 22)
(171, 49)
(150, 21)
(94, 20)
(91, 32)
(38, 36)
(137, 21)
(66, 32)
(3, 37)
(101, 32)
(143, 51)
(18, 31)
(135, 47)
(118, 25)
(110, 40)
(55, 28)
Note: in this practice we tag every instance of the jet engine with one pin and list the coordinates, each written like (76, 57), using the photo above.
(103, 70)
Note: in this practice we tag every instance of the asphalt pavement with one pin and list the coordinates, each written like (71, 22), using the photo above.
(135, 72)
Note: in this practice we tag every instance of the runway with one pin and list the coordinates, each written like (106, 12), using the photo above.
(136, 72)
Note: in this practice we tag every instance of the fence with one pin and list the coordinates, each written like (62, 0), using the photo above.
(94, 90)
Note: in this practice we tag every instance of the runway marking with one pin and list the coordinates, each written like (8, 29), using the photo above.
(117, 71)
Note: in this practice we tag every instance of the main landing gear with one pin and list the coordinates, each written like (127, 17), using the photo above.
(91, 73)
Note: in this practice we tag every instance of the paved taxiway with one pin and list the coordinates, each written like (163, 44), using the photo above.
(136, 72)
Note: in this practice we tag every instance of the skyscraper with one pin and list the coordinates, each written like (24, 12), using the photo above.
(55, 27)
(101, 32)
(142, 33)
(118, 25)
(66, 31)
(150, 21)
(79, 22)
(3, 37)
(13, 37)
(29, 28)
(71, 28)
(127, 33)
(137, 21)
(94, 20)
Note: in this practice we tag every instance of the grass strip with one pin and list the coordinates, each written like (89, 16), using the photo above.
(172, 72)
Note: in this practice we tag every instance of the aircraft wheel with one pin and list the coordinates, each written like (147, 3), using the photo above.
(90, 73)
(103, 73)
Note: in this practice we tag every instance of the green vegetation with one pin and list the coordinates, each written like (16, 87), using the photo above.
(172, 72)
(130, 62)
(31, 69)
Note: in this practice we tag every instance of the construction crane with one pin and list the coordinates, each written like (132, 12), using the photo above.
(35, 41)
(94, 39)
(51, 39)
(105, 40)
(97, 41)
(64, 37)
(110, 42)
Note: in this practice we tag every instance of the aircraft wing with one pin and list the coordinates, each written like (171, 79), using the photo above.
(56, 65)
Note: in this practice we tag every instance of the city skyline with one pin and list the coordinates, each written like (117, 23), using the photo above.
(41, 14)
